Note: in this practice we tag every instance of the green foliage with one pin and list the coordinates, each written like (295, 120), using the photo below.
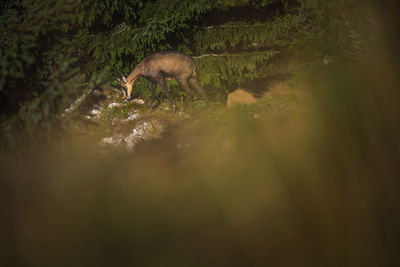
(30, 40)
(257, 49)
(247, 36)
(334, 28)
(39, 71)
(144, 27)
(231, 68)
(37, 118)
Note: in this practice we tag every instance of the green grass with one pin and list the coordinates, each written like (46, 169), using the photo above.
(121, 112)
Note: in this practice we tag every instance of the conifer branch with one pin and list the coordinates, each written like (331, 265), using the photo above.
(214, 55)
(234, 26)
(232, 55)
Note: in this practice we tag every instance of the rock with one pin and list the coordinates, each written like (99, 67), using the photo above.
(107, 140)
(142, 129)
(239, 97)
(111, 141)
(137, 135)
(95, 112)
(114, 105)
(138, 101)
(132, 116)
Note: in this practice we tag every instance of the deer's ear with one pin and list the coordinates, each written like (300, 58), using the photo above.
(124, 78)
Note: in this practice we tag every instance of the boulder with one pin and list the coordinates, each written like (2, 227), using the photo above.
(240, 96)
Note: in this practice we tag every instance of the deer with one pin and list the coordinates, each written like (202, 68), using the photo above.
(159, 66)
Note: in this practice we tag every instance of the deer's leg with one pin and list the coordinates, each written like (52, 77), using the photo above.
(153, 94)
(123, 92)
(184, 83)
(163, 84)
(193, 82)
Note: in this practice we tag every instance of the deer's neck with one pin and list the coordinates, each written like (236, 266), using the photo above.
(136, 73)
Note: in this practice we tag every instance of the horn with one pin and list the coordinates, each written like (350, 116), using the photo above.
(124, 78)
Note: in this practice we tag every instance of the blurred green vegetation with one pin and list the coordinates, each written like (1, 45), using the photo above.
(307, 176)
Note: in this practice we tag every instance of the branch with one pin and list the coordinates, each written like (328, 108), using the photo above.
(212, 55)
(232, 55)
(234, 26)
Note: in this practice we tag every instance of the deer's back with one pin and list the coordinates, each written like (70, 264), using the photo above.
(170, 64)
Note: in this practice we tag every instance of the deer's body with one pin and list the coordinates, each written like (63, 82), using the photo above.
(156, 67)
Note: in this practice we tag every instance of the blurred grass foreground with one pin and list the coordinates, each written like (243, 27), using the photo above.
(307, 177)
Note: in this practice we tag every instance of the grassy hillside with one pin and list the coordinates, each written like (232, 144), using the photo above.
(290, 180)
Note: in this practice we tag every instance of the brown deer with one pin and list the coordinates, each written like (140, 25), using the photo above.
(158, 66)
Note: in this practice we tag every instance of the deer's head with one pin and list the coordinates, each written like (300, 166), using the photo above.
(126, 87)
